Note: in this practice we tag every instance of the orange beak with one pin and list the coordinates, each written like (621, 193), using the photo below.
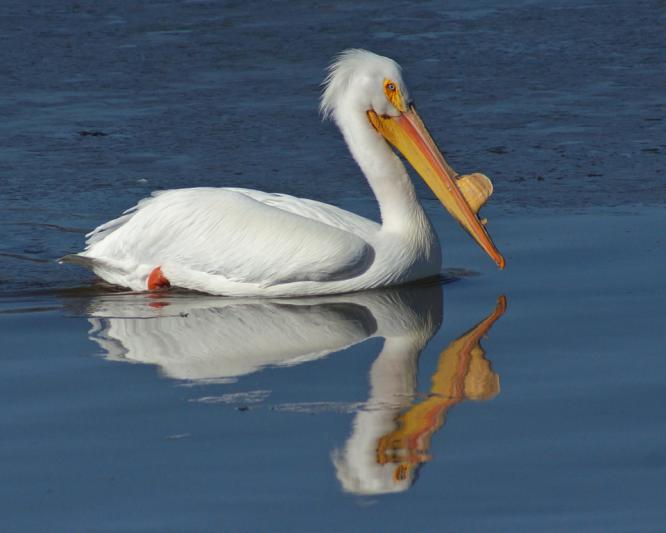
(408, 134)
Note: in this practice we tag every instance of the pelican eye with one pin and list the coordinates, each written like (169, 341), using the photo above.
(393, 95)
(390, 87)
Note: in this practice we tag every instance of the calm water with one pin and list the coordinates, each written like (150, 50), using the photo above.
(524, 400)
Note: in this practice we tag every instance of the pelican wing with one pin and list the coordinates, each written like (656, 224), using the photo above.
(326, 213)
(264, 240)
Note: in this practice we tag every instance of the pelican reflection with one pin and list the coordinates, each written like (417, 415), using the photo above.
(212, 338)
(201, 338)
(391, 437)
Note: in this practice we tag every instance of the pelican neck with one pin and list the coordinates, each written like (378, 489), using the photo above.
(398, 204)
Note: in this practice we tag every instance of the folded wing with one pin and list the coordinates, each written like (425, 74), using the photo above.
(228, 233)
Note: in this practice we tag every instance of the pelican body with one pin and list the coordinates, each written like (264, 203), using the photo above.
(241, 242)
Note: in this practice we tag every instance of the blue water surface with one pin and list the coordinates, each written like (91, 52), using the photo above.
(524, 400)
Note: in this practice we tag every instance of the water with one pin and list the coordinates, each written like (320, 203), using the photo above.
(366, 412)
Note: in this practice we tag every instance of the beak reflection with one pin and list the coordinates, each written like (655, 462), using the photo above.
(463, 373)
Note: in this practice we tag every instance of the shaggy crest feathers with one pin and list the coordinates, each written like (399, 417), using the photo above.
(341, 72)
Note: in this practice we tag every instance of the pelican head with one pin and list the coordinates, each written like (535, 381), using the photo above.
(365, 84)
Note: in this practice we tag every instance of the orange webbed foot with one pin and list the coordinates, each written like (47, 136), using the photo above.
(157, 280)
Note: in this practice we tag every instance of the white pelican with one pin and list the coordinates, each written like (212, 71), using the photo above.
(241, 242)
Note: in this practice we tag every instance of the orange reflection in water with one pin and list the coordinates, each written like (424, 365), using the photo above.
(462, 373)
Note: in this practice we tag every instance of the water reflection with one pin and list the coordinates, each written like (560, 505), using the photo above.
(391, 437)
(218, 339)
(211, 338)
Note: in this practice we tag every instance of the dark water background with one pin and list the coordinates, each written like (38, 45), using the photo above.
(562, 103)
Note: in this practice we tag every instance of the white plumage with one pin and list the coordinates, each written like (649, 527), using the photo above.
(241, 242)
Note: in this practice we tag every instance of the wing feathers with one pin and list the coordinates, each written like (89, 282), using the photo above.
(227, 233)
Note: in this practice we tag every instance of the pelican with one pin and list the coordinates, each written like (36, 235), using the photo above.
(241, 242)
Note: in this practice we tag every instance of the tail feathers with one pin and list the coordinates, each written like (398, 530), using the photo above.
(91, 263)
(76, 259)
